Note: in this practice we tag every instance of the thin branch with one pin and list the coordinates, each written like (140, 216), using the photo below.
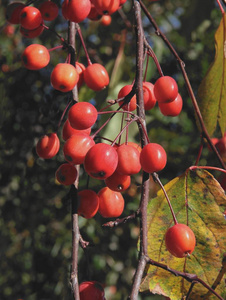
(138, 84)
(187, 276)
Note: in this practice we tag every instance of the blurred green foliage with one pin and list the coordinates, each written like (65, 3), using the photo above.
(35, 211)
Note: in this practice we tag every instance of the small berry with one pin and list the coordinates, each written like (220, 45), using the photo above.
(111, 203)
(153, 158)
(106, 7)
(180, 240)
(64, 77)
(118, 182)
(149, 100)
(128, 160)
(68, 131)
(13, 12)
(48, 146)
(31, 33)
(101, 161)
(80, 69)
(76, 147)
(91, 290)
(77, 10)
(172, 108)
(82, 115)
(105, 20)
(66, 174)
(30, 17)
(96, 77)
(165, 89)
(35, 57)
(49, 10)
(88, 203)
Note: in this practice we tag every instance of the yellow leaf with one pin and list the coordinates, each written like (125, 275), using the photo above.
(212, 90)
(197, 199)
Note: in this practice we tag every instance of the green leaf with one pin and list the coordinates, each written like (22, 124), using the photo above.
(197, 199)
(212, 90)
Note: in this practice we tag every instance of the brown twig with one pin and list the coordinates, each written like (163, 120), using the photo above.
(138, 84)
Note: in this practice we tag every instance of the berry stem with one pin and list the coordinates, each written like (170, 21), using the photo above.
(83, 44)
(156, 179)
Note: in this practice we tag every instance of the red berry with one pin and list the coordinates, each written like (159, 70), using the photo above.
(9, 30)
(132, 105)
(172, 108)
(66, 174)
(101, 161)
(82, 115)
(76, 147)
(88, 203)
(77, 10)
(80, 69)
(35, 57)
(106, 7)
(96, 77)
(64, 77)
(49, 10)
(149, 100)
(128, 160)
(118, 182)
(64, 9)
(105, 20)
(221, 145)
(31, 33)
(135, 145)
(180, 240)
(153, 158)
(30, 17)
(91, 290)
(69, 131)
(48, 146)
(13, 12)
(93, 14)
(165, 89)
(111, 203)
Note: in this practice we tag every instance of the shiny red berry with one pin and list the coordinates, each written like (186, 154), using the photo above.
(153, 158)
(118, 182)
(106, 7)
(128, 160)
(30, 17)
(172, 108)
(165, 89)
(91, 290)
(49, 10)
(48, 146)
(96, 77)
(76, 147)
(180, 240)
(82, 115)
(66, 174)
(88, 203)
(101, 161)
(35, 57)
(111, 203)
(68, 131)
(77, 10)
(64, 77)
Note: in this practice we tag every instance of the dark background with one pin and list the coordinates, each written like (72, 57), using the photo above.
(35, 220)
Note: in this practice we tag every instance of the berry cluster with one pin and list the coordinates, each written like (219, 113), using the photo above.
(113, 162)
